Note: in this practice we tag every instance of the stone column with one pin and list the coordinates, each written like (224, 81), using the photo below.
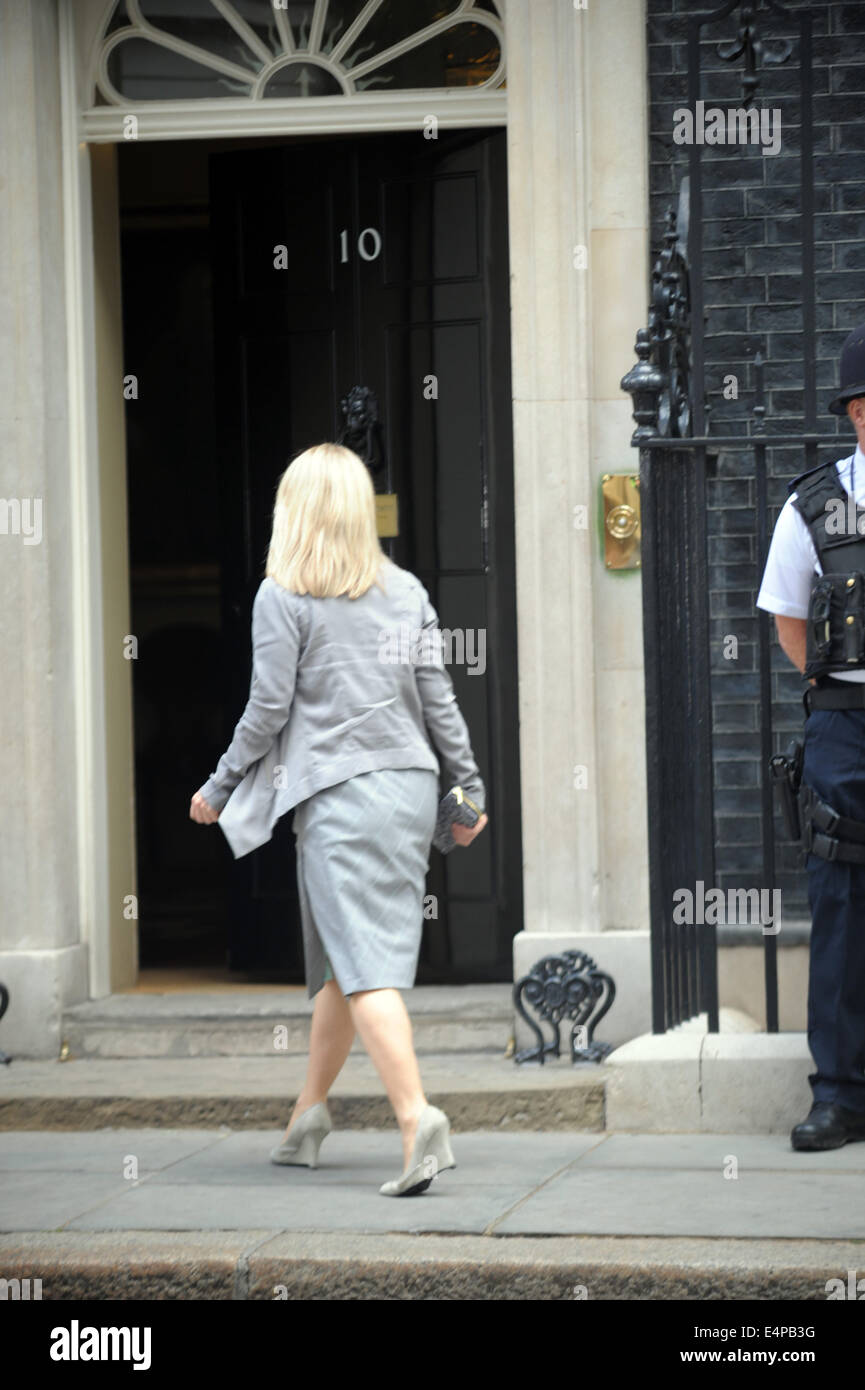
(577, 171)
(42, 959)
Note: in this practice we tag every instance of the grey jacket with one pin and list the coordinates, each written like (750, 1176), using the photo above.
(339, 687)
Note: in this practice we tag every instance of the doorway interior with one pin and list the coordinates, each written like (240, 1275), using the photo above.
(395, 276)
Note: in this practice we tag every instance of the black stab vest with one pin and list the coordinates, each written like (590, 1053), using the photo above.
(836, 608)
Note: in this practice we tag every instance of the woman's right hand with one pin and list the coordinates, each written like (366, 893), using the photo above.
(464, 834)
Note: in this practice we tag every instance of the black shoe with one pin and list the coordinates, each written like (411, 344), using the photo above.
(828, 1126)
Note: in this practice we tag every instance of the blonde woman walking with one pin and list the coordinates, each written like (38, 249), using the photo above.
(351, 725)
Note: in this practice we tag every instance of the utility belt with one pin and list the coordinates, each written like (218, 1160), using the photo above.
(820, 829)
(831, 694)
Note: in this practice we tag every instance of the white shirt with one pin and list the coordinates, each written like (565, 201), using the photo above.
(792, 560)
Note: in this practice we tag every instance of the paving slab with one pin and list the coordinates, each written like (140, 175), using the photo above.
(76, 1152)
(505, 1184)
(227, 1180)
(349, 1206)
(49, 1201)
(714, 1152)
(655, 1202)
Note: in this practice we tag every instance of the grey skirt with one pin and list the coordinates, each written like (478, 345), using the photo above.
(362, 855)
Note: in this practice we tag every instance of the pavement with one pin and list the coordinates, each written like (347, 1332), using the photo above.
(162, 1213)
(149, 1178)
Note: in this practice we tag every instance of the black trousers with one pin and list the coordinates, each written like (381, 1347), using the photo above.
(834, 765)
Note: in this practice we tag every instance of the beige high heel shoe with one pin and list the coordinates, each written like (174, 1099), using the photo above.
(430, 1156)
(301, 1146)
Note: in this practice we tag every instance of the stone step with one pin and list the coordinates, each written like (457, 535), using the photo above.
(342, 1266)
(476, 1090)
(243, 1022)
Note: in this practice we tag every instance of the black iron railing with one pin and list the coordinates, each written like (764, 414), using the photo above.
(678, 458)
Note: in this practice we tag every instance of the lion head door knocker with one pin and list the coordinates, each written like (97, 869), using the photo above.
(362, 430)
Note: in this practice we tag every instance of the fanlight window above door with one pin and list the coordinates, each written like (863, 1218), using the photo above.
(168, 50)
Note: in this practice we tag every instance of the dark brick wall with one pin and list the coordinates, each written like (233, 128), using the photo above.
(752, 274)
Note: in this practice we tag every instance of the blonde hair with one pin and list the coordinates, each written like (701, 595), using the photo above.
(324, 540)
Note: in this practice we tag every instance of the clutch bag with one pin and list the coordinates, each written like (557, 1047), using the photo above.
(455, 808)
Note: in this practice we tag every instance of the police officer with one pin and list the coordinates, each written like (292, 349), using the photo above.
(814, 583)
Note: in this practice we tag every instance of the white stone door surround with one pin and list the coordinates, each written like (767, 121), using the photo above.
(575, 107)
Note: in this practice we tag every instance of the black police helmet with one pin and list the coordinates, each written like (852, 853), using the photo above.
(852, 371)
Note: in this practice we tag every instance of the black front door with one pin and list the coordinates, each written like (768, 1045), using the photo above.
(379, 262)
